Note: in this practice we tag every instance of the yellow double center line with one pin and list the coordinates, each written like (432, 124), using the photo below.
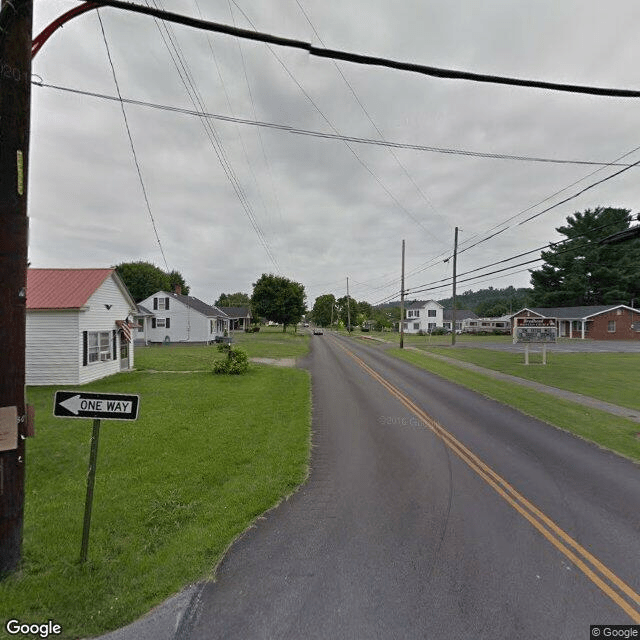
(620, 592)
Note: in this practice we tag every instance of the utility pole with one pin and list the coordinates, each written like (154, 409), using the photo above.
(455, 261)
(402, 301)
(348, 309)
(16, 18)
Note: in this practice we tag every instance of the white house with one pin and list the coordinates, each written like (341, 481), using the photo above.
(78, 325)
(423, 316)
(180, 318)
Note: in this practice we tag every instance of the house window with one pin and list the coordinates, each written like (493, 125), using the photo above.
(416, 325)
(431, 313)
(432, 326)
(160, 323)
(161, 304)
(416, 314)
(98, 346)
(611, 326)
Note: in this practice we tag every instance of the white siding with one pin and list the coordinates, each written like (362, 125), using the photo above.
(423, 319)
(186, 324)
(97, 317)
(52, 347)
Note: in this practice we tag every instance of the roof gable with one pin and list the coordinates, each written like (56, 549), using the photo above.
(210, 311)
(63, 288)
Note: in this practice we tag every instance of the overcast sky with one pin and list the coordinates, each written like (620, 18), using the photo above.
(317, 210)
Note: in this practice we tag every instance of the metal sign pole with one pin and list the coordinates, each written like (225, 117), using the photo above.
(91, 477)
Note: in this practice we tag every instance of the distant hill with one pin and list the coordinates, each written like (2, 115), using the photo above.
(485, 302)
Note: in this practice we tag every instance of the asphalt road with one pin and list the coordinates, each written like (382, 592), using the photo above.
(486, 524)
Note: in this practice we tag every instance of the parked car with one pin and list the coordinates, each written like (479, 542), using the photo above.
(318, 331)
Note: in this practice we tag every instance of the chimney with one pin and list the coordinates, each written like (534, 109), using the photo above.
(177, 289)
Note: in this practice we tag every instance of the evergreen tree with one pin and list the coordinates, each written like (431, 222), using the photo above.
(581, 271)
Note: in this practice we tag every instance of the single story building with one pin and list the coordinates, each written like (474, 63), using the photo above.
(239, 317)
(179, 318)
(78, 325)
(601, 322)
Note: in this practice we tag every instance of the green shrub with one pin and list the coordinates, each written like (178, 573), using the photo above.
(256, 329)
(236, 362)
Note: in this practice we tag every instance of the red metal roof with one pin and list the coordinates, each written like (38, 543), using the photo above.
(63, 288)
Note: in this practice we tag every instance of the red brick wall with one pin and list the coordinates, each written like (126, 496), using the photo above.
(597, 328)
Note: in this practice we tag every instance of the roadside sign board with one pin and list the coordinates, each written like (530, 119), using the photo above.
(101, 406)
(535, 330)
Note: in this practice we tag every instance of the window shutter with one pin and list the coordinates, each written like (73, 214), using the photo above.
(168, 323)
(85, 350)
(166, 304)
(155, 304)
(153, 323)
(114, 333)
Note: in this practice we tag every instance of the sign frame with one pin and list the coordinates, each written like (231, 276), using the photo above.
(535, 330)
(101, 406)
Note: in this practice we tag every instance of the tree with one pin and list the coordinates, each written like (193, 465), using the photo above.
(580, 271)
(347, 309)
(237, 299)
(321, 312)
(144, 279)
(278, 299)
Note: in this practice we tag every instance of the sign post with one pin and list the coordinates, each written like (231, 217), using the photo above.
(535, 330)
(99, 406)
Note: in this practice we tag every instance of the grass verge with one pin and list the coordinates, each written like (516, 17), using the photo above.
(570, 371)
(207, 455)
(608, 431)
(178, 357)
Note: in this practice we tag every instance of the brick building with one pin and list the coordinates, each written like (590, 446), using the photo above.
(603, 322)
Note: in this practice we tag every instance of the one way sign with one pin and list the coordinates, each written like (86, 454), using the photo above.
(105, 406)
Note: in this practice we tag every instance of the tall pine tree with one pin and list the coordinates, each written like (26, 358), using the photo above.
(581, 271)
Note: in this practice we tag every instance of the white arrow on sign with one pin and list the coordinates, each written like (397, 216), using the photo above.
(72, 404)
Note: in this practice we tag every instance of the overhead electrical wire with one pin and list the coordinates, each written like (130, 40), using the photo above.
(320, 134)
(133, 148)
(357, 58)
(335, 130)
(382, 138)
(447, 282)
(552, 245)
(517, 215)
(195, 98)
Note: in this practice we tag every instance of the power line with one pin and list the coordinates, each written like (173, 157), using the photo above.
(335, 130)
(133, 149)
(332, 136)
(519, 255)
(517, 215)
(368, 116)
(357, 58)
(194, 95)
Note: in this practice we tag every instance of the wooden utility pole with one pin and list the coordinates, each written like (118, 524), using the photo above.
(455, 261)
(348, 308)
(402, 301)
(16, 19)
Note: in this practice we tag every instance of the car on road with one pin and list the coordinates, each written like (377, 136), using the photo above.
(318, 331)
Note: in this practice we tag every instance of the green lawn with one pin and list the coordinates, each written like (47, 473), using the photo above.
(612, 432)
(612, 377)
(268, 342)
(207, 455)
